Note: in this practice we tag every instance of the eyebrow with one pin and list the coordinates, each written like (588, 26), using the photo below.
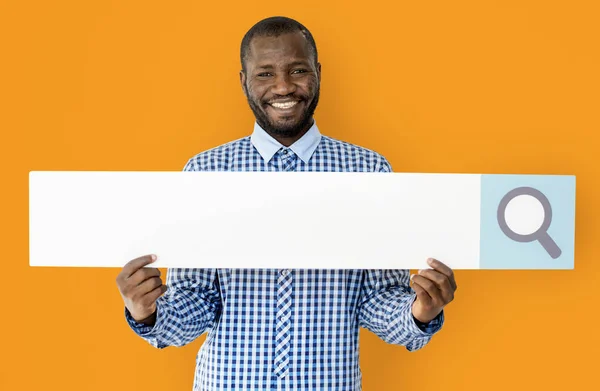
(295, 63)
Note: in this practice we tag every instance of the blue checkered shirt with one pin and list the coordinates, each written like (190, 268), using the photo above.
(238, 308)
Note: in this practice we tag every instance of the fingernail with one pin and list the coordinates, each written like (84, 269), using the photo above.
(421, 271)
(430, 261)
(411, 276)
(153, 257)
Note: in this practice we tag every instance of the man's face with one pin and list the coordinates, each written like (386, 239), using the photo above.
(282, 83)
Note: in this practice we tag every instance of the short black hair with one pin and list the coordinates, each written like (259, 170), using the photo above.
(274, 27)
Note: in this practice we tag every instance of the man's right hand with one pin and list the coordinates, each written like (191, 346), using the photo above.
(140, 287)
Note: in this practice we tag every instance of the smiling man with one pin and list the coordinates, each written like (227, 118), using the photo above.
(283, 329)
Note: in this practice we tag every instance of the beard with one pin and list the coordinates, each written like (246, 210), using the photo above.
(289, 128)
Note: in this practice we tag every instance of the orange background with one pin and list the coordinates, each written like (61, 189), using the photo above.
(435, 86)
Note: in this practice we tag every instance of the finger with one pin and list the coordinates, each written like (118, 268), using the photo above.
(132, 266)
(153, 295)
(441, 280)
(430, 287)
(442, 268)
(422, 294)
(453, 283)
(148, 286)
(142, 275)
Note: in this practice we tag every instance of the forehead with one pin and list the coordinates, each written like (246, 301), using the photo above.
(284, 48)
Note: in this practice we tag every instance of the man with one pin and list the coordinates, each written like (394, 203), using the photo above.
(283, 329)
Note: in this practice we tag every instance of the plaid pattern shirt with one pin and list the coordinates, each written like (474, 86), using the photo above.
(238, 307)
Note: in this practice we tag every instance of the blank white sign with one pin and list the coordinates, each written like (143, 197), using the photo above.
(321, 220)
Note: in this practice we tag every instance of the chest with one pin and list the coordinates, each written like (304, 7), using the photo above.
(310, 290)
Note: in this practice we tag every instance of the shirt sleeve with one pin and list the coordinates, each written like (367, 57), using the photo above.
(386, 309)
(189, 308)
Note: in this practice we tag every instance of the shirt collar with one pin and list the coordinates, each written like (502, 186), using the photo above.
(267, 146)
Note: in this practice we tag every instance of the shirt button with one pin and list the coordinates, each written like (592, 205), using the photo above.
(285, 272)
(285, 151)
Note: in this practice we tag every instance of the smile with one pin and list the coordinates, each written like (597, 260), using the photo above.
(284, 105)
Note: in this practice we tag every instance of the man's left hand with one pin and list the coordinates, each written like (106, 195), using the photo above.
(435, 288)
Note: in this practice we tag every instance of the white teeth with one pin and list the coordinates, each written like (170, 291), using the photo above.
(285, 105)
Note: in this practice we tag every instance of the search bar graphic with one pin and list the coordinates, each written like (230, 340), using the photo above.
(304, 220)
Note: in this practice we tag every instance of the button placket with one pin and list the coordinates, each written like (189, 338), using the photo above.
(283, 324)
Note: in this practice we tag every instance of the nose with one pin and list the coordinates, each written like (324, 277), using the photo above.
(283, 85)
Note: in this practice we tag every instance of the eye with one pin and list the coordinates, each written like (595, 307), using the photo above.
(296, 71)
(264, 74)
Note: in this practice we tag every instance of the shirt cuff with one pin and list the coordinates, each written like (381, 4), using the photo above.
(432, 326)
(147, 332)
(424, 329)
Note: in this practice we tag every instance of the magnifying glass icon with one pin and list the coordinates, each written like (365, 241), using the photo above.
(540, 234)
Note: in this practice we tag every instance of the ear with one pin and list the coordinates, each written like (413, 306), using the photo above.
(243, 81)
(319, 71)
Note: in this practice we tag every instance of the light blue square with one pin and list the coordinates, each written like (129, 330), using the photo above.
(498, 251)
